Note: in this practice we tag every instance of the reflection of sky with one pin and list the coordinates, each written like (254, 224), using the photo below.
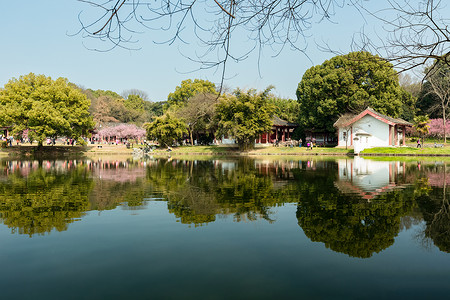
(258, 260)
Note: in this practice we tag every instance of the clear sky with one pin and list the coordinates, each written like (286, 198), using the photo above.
(36, 38)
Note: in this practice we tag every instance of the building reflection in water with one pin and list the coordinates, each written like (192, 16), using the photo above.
(369, 178)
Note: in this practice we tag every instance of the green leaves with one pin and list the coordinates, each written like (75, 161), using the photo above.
(44, 106)
(348, 83)
(245, 115)
(188, 89)
(166, 129)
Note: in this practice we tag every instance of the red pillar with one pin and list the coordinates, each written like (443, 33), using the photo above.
(404, 135)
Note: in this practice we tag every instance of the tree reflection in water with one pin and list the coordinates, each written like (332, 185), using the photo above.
(37, 197)
(356, 208)
(433, 201)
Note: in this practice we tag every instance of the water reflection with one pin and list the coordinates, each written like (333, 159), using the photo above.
(353, 206)
(37, 197)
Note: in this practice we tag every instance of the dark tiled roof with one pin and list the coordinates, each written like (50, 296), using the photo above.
(276, 121)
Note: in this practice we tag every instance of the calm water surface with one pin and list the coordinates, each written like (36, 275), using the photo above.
(224, 229)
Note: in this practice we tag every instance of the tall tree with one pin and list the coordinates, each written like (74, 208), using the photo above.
(45, 107)
(198, 113)
(245, 115)
(438, 83)
(188, 89)
(166, 129)
(348, 83)
(421, 126)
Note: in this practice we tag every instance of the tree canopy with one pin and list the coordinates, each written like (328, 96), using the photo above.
(245, 115)
(45, 107)
(188, 89)
(348, 83)
(199, 113)
(166, 129)
(108, 106)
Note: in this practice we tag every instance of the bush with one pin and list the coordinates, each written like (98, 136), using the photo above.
(3, 144)
(81, 142)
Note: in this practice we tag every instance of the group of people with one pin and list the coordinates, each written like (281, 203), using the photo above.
(8, 139)
(310, 143)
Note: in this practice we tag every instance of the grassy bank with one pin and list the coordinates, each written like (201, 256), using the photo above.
(112, 150)
(408, 151)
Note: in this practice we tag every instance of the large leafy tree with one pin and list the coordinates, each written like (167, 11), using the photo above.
(348, 83)
(189, 89)
(45, 107)
(286, 109)
(199, 113)
(166, 129)
(245, 115)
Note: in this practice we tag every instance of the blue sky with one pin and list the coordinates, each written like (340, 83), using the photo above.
(35, 38)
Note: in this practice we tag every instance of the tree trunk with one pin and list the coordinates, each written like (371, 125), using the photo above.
(192, 138)
(445, 130)
(246, 145)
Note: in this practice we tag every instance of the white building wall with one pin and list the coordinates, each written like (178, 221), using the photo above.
(378, 130)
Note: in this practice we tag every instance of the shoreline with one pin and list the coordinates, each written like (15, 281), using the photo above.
(113, 150)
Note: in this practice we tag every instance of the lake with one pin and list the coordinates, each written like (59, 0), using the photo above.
(232, 228)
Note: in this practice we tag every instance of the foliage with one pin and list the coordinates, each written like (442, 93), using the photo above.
(166, 129)
(44, 200)
(135, 92)
(135, 102)
(108, 106)
(188, 89)
(348, 83)
(45, 107)
(438, 84)
(286, 109)
(129, 131)
(98, 93)
(437, 128)
(198, 113)
(245, 115)
(347, 223)
(421, 125)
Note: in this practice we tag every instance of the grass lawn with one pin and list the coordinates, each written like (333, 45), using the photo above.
(233, 150)
(62, 150)
(408, 151)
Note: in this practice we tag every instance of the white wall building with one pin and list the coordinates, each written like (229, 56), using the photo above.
(370, 129)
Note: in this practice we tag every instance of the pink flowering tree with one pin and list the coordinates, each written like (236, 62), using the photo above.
(437, 128)
(122, 131)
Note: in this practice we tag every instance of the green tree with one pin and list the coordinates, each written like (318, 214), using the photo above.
(286, 109)
(421, 126)
(245, 115)
(45, 107)
(135, 102)
(348, 83)
(198, 113)
(166, 129)
(188, 89)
